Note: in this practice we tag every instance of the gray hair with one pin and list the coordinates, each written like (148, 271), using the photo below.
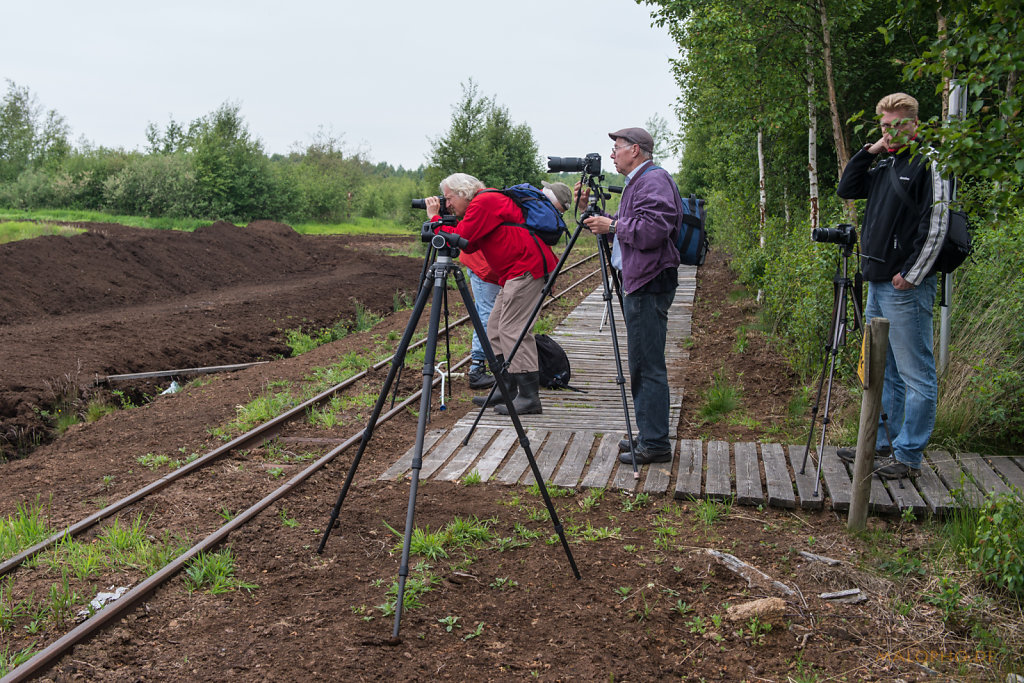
(462, 184)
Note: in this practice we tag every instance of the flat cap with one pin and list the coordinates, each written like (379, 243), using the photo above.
(637, 136)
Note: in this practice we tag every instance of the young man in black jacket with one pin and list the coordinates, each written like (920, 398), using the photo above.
(905, 223)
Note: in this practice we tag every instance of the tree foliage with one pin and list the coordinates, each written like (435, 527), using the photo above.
(29, 137)
(484, 142)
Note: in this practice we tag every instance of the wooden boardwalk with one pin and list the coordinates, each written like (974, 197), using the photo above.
(575, 442)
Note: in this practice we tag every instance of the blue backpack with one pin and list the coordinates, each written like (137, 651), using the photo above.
(541, 217)
(692, 238)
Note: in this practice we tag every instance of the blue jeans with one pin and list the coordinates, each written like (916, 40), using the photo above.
(484, 294)
(910, 391)
(647, 327)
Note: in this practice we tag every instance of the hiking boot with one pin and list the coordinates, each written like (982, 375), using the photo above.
(479, 378)
(528, 400)
(898, 470)
(850, 454)
(645, 455)
(624, 444)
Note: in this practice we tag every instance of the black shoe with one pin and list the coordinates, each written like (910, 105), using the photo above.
(624, 445)
(645, 456)
(898, 470)
(850, 454)
(479, 378)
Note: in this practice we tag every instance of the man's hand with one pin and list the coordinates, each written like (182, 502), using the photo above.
(433, 206)
(599, 225)
(899, 283)
(581, 193)
(878, 146)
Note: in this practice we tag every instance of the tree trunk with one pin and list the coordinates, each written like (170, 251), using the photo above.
(838, 133)
(812, 142)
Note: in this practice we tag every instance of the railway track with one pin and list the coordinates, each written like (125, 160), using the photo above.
(251, 439)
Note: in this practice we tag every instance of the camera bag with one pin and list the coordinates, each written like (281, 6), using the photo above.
(956, 246)
(554, 363)
(540, 216)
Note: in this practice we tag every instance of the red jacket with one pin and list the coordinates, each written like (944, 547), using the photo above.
(478, 264)
(509, 250)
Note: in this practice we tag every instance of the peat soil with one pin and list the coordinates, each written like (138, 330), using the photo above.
(651, 603)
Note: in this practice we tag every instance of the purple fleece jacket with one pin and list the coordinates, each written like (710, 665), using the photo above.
(648, 219)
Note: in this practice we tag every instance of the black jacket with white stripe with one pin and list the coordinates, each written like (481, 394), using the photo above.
(897, 238)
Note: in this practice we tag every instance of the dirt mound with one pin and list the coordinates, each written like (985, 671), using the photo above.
(117, 300)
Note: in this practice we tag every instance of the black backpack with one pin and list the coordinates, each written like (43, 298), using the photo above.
(554, 364)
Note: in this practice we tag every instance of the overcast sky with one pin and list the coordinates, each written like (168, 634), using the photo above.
(382, 75)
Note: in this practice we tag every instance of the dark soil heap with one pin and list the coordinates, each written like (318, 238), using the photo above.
(117, 300)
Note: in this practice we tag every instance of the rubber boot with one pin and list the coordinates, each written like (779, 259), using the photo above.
(496, 399)
(528, 400)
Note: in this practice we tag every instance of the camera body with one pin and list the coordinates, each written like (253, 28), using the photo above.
(590, 164)
(843, 234)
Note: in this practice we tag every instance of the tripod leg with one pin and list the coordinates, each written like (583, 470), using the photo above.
(523, 441)
(814, 412)
(548, 286)
(619, 379)
(421, 427)
(396, 366)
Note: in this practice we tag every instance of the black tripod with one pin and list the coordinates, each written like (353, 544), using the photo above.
(596, 195)
(435, 279)
(844, 291)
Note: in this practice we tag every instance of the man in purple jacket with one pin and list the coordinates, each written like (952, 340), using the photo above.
(645, 229)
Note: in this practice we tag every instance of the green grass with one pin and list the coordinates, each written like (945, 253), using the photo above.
(12, 231)
(720, 399)
(78, 216)
(215, 573)
(23, 529)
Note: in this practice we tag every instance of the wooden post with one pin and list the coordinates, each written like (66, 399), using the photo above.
(876, 346)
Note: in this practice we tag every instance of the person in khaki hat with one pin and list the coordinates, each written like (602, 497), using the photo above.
(644, 230)
(559, 194)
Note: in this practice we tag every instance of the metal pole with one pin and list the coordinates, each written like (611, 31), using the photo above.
(957, 110)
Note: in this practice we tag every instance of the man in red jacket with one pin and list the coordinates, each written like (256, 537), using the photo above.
(520, 263)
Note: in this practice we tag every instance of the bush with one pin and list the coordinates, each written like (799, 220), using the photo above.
(157, 185)
(998, 552)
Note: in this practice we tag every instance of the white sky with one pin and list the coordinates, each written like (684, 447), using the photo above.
(382, 75)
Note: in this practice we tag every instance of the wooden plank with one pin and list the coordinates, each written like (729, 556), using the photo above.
(467, 454)
(691, 467)
(718, 483)
(955, 479)
(623, 479)
(405, 462)
(748, 475)
(932, 490)
(443, 451)
(904, 495)
(987, 480)
(572, 465)
(495, 453)
(548, 456)
(517, 463)
(1005, 466)
(603, 461)
(780, 486)
(806, 483)
(880, 501)
(837, 479)
(659, 474)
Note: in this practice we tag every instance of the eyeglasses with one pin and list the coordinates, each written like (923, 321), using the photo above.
(616, 148)
(895, 124)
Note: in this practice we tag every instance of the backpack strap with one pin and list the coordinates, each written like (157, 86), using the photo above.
(525, 227)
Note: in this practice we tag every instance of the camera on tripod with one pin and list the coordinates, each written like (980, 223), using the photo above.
(843, 234)
(590, 164)
(422, 204)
